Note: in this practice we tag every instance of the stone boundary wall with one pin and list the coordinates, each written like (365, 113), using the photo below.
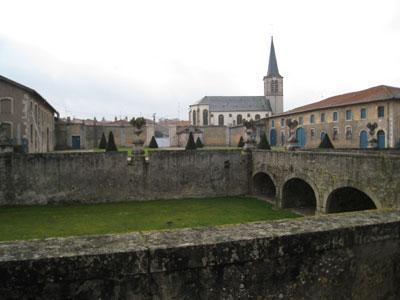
(355, 151)
(343, 256)
(103, 177)
(183, 174)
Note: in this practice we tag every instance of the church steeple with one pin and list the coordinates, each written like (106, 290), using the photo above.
(273, 83)
(273, 70)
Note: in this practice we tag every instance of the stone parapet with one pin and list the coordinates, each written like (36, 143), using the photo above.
(344, 256)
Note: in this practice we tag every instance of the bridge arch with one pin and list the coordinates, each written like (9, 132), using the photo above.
(298, 191)
(350, 197)
(264, 184)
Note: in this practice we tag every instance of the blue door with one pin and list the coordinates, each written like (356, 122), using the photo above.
(301, 137)
(76, 142)
(381, 139)
(272, 137)
(363, 139)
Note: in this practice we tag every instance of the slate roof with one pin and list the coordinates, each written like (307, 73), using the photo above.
(30, 91)
(273, 70)
(235, 103)
(377, 93)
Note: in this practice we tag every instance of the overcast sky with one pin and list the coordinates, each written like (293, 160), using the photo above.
(131, 58)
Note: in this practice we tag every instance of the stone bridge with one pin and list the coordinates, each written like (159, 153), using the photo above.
(327, 182)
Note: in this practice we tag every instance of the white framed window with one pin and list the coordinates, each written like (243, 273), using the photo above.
(349, 132)
(322, 117)
(349, 115)
(335, 116)
(335, 133)
(312, 133)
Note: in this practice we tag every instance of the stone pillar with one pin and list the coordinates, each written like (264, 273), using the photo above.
(250, 138)
(138, 142)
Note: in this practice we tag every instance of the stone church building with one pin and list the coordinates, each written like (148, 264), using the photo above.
(233, 110)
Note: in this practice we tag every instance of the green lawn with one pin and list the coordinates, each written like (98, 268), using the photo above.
(129, 150)
(17, 223)
(147, 150)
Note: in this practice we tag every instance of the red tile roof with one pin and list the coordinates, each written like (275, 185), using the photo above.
(377, 93)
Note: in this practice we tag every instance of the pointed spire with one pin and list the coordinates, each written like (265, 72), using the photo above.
(272, 65)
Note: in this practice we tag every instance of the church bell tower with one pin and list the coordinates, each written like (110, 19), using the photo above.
(273, 83)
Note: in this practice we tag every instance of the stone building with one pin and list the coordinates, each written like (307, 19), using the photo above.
(232, 110)
(86, 134)
(27, 120)
(344, 118)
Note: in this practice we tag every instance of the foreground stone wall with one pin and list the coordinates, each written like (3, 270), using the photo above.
(347, 256)
(100, 177)
(376, 175)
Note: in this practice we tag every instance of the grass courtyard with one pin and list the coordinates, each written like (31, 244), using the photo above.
(19, 223)
(148, 150)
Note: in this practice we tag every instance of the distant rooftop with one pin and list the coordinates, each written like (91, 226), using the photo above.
(236, 103)
(377, 93)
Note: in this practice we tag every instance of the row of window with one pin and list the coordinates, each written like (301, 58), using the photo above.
(335, 133)
(239, 118)
(335, 116)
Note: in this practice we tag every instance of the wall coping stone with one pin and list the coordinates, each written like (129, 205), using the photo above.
(330, 153)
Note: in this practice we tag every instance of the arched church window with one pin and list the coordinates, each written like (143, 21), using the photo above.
(239, 119)
(257, 117)
(205, 117)
(221, 120)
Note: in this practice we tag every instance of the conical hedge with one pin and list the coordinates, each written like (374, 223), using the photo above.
(111, 143)
(264, 144)
(199, 144)
(103, 142)
(191, 145)
(326, 143)
(241, 142)
(153, 143)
